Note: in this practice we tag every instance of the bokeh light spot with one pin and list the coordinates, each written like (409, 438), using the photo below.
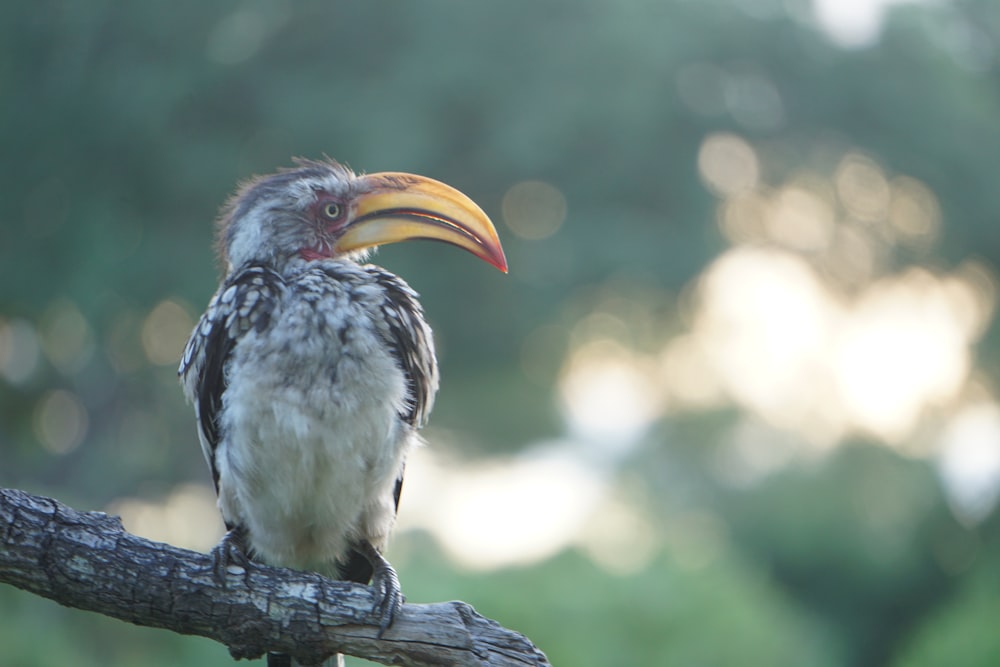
(853, 23)
(19, 350)
(742, 218)
(862, 187)
(851, 260)
(61, 421)
(66, 337)
(969, 462)
(976, 285)
(164, 332)
(534, 210)
(686, 374)
(608, 395)
(238, 36)
(754, 101)
(902, 349)
(764, 318)
(914, 212)
(728, 165)
(800, 219)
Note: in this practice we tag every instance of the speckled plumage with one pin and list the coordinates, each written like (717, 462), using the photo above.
(309, 386)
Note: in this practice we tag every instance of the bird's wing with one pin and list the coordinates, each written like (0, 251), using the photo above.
(245, 301)
(412, 343)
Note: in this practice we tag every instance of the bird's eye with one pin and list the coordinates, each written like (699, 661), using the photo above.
(332, 210)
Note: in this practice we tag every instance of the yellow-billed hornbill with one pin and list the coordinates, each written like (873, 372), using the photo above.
(311, 373)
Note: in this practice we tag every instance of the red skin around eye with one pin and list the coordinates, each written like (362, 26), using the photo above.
(332, 226)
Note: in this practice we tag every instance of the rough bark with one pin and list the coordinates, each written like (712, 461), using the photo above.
(88, 561)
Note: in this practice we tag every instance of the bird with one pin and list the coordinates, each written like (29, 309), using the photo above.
(312, 372)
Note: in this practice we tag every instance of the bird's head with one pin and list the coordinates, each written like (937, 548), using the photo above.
(321, 210)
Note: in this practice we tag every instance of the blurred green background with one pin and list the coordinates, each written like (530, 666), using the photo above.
(736, 401)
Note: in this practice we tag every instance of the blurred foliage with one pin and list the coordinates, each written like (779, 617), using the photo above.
(962, 628)
(125, 125)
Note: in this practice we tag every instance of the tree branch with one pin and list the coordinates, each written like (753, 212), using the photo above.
(87, 560)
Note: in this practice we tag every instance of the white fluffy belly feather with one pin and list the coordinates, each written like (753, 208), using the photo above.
(309, 467)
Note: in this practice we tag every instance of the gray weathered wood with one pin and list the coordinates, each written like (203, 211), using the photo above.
(88, 561)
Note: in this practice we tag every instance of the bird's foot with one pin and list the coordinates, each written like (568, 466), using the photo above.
(388, 594)
(231, 550)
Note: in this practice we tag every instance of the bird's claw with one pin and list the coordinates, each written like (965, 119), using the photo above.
(230, 550)
(388, 595)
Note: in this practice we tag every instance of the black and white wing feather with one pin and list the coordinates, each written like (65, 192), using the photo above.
(412, 343)
(245, 301)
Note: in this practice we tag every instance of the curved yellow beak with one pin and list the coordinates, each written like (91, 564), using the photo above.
(395, 206)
